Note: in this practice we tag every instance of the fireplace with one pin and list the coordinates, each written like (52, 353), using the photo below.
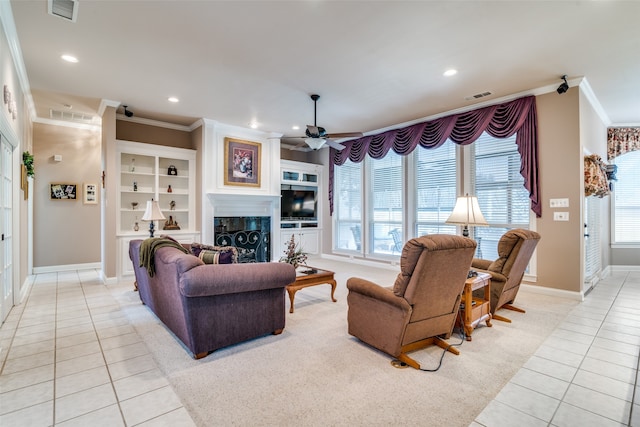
(250, 234)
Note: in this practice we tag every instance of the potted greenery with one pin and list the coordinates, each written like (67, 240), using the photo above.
(27, 159)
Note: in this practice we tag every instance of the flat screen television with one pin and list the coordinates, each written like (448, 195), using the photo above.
(298, 204)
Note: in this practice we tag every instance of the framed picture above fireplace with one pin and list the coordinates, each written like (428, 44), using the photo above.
(242, 162)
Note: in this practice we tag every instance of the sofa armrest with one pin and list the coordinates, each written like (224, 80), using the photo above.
(377, 292)
(219, 279)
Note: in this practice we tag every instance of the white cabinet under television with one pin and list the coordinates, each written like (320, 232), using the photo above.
(153, 172)
(301, 207)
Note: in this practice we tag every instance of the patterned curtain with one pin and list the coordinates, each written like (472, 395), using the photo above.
(500, 121)
(595, 177)
(621, 141)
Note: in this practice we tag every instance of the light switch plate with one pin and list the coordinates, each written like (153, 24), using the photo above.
(559, 203)
(561, 216)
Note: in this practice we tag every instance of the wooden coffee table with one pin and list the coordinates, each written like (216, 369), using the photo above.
(315, 276)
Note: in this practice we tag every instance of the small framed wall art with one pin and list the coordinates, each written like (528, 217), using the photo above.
(90, 194)
(63, 191)
(242, 162)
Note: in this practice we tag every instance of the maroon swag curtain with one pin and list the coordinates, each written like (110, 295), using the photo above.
(500, 121)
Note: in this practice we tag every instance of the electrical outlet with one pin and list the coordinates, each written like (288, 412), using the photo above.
(561, 216)
(559, 203)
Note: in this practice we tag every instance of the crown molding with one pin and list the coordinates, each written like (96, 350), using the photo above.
(104, 103)
(9, 25)
(156, 123)
(586, 90)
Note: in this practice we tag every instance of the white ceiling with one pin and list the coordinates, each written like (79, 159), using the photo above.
(375, 63)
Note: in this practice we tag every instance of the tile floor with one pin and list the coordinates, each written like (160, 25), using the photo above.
(68, 356)
(586, 372)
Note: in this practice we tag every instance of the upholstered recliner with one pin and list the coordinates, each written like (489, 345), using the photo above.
(422, 306)
(515, 248)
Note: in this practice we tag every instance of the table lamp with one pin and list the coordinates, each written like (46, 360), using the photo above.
(467, 212)
(152, 213)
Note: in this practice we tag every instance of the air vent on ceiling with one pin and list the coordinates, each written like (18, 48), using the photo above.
(65, 9)
(69, 116)
(478, 96)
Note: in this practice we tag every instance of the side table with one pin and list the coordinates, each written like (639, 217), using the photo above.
(476, 310)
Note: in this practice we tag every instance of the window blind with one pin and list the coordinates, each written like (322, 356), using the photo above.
(627, 198)
(435, 189)
(504, 202)
(386, 178)
(348, 210)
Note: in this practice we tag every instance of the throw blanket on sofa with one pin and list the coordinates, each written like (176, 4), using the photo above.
(148, 250)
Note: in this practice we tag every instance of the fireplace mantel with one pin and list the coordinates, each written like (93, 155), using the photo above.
(244, 204)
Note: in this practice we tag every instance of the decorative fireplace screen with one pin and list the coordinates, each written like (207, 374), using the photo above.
(251, 235)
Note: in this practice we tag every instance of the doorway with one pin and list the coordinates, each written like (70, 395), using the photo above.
(6, 227)
(592, 249)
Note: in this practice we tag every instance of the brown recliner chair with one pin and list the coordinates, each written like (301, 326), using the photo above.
(422, 306)
(514, 252)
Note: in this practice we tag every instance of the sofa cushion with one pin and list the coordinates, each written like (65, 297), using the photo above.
(215, 254)
(216, 257)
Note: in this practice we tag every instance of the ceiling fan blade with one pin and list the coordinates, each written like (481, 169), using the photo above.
(333, 144)
(293, 139)
(300, 147)
(344, 135)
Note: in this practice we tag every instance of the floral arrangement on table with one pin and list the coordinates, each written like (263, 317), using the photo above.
(294, 254)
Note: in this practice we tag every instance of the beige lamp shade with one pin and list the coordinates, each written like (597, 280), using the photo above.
(467, 212)
(152, 213)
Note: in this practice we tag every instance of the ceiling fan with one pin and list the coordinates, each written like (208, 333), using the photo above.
(316, 137)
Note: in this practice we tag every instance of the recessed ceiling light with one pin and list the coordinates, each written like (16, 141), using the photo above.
(253, 125)
(69, 58)
(450, 72)
(173, 99)
(295, 127)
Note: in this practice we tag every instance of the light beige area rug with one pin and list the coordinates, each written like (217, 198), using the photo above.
(315, 374)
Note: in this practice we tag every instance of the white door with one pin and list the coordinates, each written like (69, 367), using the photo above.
(592, 249)
(6, 228)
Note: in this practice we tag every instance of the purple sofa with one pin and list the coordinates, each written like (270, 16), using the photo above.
(209, 306)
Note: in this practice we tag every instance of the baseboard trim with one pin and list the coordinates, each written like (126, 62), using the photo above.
(560, 293)
(68, 267)
(625, 267)
(25, 289)
(387, 265)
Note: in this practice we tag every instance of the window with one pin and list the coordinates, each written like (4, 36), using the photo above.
(394, 212)
(435, 189)
(504, 202)
(385, 202)
(348, 206)
(626, 199)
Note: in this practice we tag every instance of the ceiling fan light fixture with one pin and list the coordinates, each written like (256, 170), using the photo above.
(315, 143)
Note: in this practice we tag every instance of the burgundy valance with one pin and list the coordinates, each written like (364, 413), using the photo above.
(500, 121)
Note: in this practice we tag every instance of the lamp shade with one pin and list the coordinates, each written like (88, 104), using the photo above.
(315, 143)
(153, 212)
(467, 212)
